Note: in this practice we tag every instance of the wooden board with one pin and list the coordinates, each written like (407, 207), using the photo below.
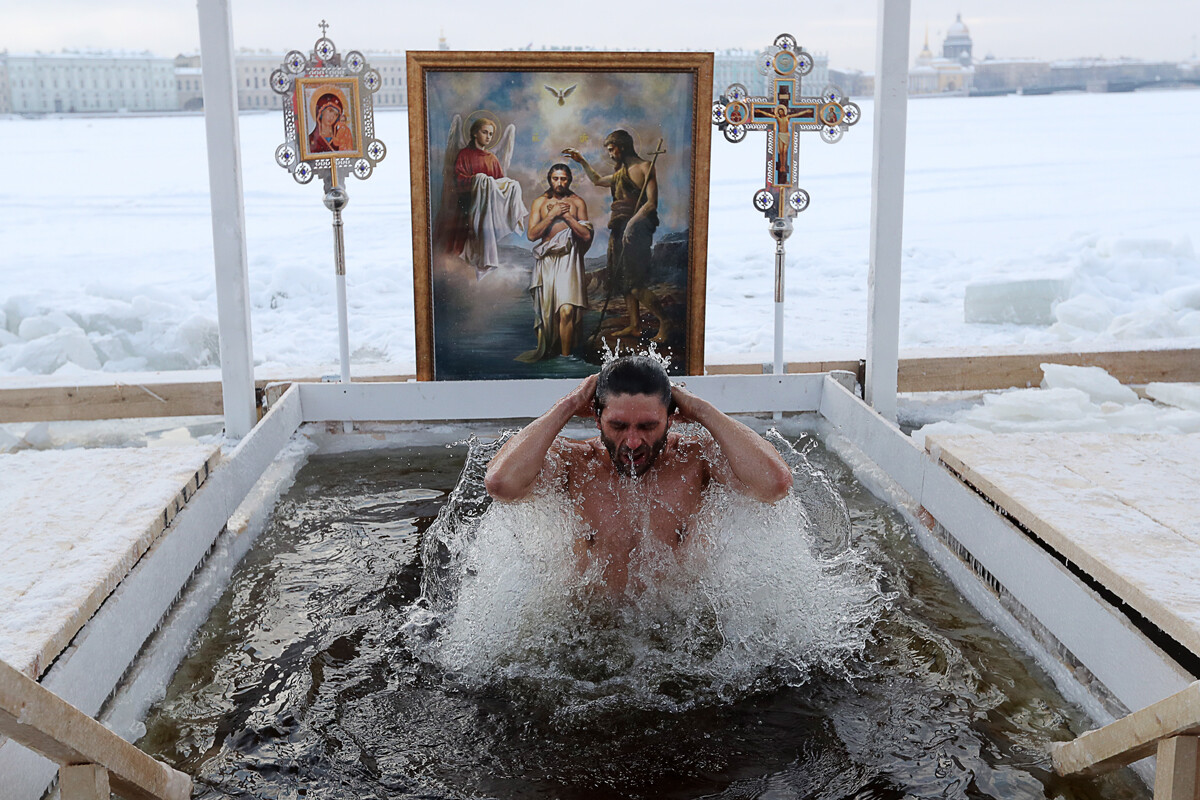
(1117, 505)
(76, 521)
(1130, 738)
(956, 372)
(175, 394)
(38, 719)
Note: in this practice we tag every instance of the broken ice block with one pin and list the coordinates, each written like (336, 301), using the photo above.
(1025, 301)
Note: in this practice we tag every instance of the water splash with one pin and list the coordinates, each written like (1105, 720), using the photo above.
(757, 596)
(613, 352)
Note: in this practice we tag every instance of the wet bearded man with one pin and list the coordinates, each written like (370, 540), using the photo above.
(636, 456)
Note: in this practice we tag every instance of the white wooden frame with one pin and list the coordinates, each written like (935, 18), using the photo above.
(1131, 668)
(1135, 671)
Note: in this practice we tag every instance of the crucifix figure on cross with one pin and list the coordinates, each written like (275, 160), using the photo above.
(783, 115)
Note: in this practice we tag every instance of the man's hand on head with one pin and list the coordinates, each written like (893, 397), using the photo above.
(583, 397)
(687, 405)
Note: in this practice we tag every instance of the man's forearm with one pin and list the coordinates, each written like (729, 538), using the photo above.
(581, 229)
(593, 176)
(514, 470)
(538, 226)
(752, 459)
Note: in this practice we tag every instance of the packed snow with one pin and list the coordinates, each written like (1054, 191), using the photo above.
(86, 540)
(1045, 221)
(1067, 212)
(1076, 399)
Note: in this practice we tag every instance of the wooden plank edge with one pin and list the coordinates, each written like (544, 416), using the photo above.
(1090, 563)
(38, 719)
(924, 373)
(1130, 738)
(61, 639)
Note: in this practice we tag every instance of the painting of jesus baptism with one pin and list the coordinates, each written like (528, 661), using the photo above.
(559, 210)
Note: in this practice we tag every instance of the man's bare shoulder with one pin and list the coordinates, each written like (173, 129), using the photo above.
(690, 442)
(576, 449)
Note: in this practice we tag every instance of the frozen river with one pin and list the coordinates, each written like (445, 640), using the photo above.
(107, 245)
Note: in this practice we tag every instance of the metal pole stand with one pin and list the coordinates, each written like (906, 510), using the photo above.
(335, 200)
(784, 114)
(312, 85)
(781, 229)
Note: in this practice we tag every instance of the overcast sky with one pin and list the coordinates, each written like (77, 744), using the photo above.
(845, 29)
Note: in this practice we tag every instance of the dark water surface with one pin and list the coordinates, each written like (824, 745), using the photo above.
(302, 683)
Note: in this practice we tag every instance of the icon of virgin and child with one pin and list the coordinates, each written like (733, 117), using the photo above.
(331, 127)
(481, 205)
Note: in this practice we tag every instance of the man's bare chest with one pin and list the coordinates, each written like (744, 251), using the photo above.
(621, 511)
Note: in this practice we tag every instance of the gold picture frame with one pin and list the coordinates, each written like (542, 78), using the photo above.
(344, 135)
(498, 125)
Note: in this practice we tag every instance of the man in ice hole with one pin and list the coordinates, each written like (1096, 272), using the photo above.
(636, 456)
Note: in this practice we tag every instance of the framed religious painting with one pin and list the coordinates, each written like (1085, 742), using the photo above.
(559, 210)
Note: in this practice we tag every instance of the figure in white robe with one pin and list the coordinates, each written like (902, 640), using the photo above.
(496, 211)
(558, 222)
(558, 280)
(480, 205)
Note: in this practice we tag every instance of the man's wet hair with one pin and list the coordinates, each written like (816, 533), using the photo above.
(558, 168)
(633, 374)
(623, 141)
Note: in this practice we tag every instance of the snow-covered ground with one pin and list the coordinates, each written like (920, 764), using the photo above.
(105, 238)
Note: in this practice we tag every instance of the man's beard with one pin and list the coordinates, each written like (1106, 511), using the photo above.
(625, 461)
(564, 191)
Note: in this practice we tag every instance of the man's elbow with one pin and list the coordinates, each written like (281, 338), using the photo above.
(778, 484)
(500, 487)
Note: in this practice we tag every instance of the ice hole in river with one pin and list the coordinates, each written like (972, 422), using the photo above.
(803, 650)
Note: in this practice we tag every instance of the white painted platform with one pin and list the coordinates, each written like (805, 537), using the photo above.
(72, 525)
(1122, 507)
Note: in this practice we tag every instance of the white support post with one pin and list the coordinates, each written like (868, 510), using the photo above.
(228, 216)
(887, 206)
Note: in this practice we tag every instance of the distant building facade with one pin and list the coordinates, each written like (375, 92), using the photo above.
(957, 72)
(188, 83)
(253, 71)
(854, 82)
(1106, 75)
(951, 73)
(65, 83)
(87, 82)
(741, 66)
(5, 94)
(999, 75)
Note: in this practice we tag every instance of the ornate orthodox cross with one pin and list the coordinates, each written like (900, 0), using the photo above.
(783, 115)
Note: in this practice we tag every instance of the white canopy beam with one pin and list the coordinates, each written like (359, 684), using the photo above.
(887, 206)
(228, 216)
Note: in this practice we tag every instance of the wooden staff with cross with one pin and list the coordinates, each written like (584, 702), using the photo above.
(658, 151)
